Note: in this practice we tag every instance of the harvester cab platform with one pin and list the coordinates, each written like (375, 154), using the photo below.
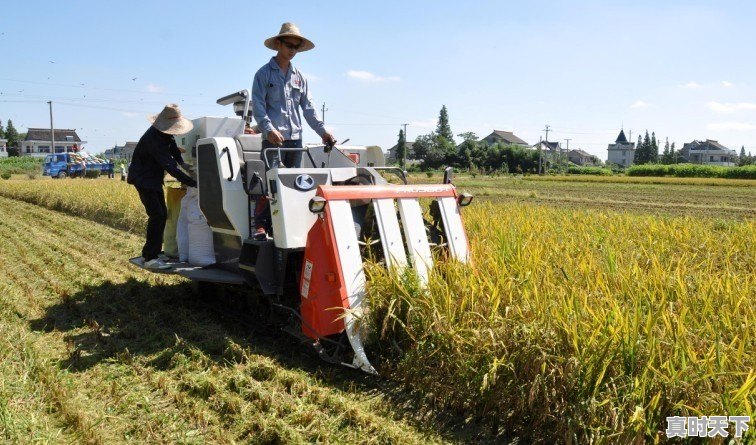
(330, 211)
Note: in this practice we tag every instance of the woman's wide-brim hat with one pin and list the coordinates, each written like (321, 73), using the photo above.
(170, 121)
(289, 30)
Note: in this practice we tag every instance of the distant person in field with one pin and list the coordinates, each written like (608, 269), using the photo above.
(157, 153)
(279, 94)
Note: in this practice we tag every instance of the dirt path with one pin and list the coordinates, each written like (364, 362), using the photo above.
(93, 350)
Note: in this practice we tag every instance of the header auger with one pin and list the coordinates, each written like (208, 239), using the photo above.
(328, 213)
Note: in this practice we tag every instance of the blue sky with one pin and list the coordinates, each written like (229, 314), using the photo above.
(684, 69)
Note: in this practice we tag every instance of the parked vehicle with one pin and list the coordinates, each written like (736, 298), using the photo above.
(73, 165)
(62, 165)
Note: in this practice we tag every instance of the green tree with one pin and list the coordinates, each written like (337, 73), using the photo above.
(11, 135)
(401, 149)
(638, 151)
(446, 150)
(442, 127)
(426, 149)
(666, 156)
(744, 159)
(2, 132)
(467, 150)
(648, 151)
(653, 152)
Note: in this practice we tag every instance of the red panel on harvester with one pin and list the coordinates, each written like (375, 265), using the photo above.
(321, 294)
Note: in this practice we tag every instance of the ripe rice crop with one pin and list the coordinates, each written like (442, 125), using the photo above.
(110, 202)
(575, 326)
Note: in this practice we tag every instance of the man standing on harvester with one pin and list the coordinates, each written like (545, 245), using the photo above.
(157, 153)
(278, 92)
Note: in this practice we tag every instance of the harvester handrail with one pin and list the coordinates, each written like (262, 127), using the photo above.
(286, 149)
(398, 171)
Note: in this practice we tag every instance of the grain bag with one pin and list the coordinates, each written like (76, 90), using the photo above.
(173, 198)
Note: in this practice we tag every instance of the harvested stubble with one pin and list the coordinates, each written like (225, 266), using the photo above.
(93, 350)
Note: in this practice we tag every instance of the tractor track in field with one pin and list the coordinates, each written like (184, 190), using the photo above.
(123, 355)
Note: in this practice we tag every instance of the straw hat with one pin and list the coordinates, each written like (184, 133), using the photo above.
(170, 121)
(289, 30)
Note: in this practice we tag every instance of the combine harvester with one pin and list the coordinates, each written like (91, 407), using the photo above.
(328, 215)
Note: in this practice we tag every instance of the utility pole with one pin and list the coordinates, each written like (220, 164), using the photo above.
(324, 109)
(52, 130)
(540, 156)
(567, 150)
(404, 153)
(548, 128)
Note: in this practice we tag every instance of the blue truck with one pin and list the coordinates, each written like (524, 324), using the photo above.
(61, 166)
(72, 165)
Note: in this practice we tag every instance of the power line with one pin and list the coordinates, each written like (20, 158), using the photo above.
(96, 99)
(121, 90)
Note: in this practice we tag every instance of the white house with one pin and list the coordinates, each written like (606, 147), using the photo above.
(3, 148)
(37, 142)
(709, 152)
(622, 151)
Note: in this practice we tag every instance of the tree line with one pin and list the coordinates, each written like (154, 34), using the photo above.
(437, 149)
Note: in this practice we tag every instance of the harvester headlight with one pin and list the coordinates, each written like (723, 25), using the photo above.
(464, 199)
(317, 204)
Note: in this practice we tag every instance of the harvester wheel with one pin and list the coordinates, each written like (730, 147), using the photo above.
(62, 175)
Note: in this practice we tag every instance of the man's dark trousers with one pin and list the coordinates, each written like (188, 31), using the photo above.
(157, 215)
(291, 159)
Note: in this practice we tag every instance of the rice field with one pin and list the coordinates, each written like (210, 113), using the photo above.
(585, 318)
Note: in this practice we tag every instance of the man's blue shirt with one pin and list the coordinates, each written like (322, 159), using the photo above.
(277, 98)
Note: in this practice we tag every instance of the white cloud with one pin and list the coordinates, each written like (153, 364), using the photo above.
(742, 126)
(130, 114)
(731, 108)
(692, 85)
(367, 76)
(639, 104)
(152, 88)
(431, 123)
(727, 83)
